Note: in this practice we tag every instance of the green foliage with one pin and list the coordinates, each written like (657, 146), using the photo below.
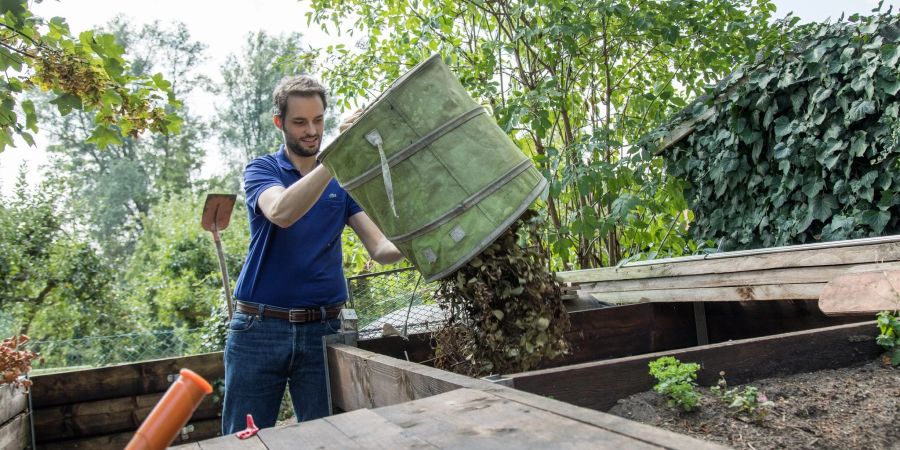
(113, 188)
(748, 401)
(574, 83)
(53, 284)
(801, 146)
(675, 380)
(86, 72)
(246, 128)
(889, 336)
(174, 275)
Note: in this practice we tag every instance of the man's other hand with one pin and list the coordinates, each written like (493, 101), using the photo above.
(349, 120)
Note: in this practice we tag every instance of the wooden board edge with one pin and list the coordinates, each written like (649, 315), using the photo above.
(598, 385)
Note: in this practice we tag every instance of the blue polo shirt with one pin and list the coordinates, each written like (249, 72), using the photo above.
(300, 266)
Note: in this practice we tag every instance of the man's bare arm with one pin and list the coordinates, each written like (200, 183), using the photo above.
(378, 246)
(283, 206)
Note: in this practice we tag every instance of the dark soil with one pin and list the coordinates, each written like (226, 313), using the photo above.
(850, 408)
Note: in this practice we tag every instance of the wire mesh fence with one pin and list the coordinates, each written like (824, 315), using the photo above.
(387, 303)
(394, 302)
(99, 351)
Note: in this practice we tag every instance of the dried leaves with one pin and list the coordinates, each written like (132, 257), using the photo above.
(15, 362)
(506, 311)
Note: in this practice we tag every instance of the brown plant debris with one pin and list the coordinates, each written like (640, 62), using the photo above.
(506, 313)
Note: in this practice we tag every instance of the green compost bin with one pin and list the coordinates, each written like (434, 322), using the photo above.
(433, 170)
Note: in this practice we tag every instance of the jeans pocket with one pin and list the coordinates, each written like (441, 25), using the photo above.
(241, 321)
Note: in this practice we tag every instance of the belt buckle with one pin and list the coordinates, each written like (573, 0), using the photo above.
(298, 316)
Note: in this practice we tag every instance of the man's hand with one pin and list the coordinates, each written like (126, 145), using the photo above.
(349, 121)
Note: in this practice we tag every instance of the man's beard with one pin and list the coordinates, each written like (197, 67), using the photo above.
(298, 150)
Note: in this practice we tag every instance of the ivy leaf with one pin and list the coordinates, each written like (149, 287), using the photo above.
(783, 127)
(876, 219)
(858, 110)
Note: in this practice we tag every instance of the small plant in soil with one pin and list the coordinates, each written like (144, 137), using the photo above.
(506, 314)
(889, 339)
(748, 402)
(676, 380)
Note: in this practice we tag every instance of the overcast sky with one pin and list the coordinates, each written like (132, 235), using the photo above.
(224, 24)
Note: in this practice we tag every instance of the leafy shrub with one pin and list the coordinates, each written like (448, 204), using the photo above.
(676, 381)
(889, 325)
(803, 145)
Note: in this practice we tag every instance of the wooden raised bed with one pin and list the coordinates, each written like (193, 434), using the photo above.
(15, 430)
(101, 408)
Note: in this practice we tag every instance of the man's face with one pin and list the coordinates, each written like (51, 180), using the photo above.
(303, 125)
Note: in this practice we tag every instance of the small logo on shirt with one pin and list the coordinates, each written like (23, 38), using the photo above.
(332, 195)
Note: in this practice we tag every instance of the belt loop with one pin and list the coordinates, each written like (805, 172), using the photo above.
(260, 308)
(322, 312)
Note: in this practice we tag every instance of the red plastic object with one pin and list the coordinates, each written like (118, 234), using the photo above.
(171, 413)
(251, 430)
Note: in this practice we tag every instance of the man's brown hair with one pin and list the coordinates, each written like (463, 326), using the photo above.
(299, 85)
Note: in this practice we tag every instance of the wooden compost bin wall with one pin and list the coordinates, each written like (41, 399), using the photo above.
(615, 332)
(599, 385)
(101, 408)
(15, 430)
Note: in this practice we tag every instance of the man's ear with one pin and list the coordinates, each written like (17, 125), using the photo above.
(277, 120)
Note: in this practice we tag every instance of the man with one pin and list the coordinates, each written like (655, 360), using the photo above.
(292, 284)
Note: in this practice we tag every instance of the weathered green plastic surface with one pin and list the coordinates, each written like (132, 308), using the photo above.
(438, 177)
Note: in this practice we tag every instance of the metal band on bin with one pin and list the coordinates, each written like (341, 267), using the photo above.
(396, 158)
(465, 205)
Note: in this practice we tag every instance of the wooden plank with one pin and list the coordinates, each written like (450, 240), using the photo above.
(106, 416)
(599, 385)
(750, 278)
(743, 320)
(473, 419)
(868, 292)
(13, 400)
(700, 323)
(370, 430)
(858, 251)
(16, 433)
(317, 434)
(231, 442)
(403, 372)
(191, 446)
(801, 291)
(684, 129)
(120, 381)
(203, 429)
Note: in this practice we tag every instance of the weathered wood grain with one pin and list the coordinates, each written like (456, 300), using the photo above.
(15, 434)
(599, 385)
(858, 251)
(120, 381)
(106, 416)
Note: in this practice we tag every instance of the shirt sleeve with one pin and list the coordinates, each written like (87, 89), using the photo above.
(259, 176)
(352, 207)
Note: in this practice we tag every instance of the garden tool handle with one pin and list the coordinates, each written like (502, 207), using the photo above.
(171, 413)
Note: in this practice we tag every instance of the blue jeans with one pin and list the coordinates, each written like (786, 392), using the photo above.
(262, 354)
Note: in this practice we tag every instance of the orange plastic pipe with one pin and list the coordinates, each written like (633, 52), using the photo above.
(171, 412)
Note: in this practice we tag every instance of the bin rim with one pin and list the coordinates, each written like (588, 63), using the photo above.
(381, 97)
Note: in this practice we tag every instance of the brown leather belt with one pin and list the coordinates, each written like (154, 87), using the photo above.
(301, 315)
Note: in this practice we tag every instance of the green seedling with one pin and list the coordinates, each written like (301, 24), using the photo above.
(748, 401)
(889, 339)
(675, 380)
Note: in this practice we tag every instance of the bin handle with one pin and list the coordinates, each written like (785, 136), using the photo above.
(374, 138)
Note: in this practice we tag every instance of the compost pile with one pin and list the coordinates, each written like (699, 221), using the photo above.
(505, 310)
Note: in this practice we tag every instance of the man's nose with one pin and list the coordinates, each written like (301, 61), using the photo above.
(310, 129)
